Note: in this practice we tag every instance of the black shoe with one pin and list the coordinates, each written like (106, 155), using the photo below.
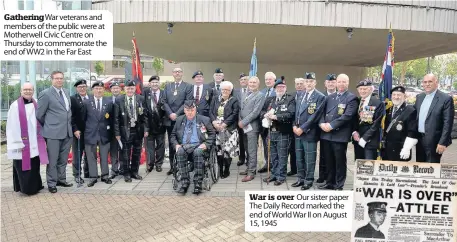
(197, 189)
(112, 176)
(52, 189)
(244, 173)
(86, 175)
(149, 169)
(183, 189)
(278, 183)
(170, 172)
(307, 186)
(269, 179)
(79, 180)
(64, 184)
(226, 173)
(326, 186)
(137, 177)
(240, 163)
(320, 180)
(158, 168)
(290, 173)
(297, 184)
(92, 183)
(107, 181)
(262, 170)
(127, 179)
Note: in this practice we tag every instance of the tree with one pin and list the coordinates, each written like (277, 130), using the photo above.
(158, 65)
(401, 69)
(99, 67)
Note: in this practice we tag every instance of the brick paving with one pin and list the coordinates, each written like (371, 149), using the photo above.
(147, 210)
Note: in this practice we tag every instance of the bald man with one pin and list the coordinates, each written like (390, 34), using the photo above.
(435, 115)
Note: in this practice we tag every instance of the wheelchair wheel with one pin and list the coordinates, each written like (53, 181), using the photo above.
(175, 180)
(207, 182)
(214, 166)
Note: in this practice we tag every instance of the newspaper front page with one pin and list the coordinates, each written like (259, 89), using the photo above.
(404, 201)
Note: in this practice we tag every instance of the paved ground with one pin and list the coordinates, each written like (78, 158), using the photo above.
(148, 210)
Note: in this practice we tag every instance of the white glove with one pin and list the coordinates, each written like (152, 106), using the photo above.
(362, 143)
(266, 123)
(407, 146)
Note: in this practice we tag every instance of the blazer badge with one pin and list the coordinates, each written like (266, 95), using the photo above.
(312, 108)
(341, 108)
(107, 115)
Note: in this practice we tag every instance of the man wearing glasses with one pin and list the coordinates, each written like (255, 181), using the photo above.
(79, 126)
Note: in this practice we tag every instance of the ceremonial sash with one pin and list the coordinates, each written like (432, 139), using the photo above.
(42, 152)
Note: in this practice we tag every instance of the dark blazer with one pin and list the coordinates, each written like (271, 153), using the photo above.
(368, 231)
(208, 137)
(285, 112)
(231, 110)
(212, 85)
(237, 93)
(341, 122)
(308, 114)
(156, 113)
(439, 121)
(174, 104)
(122, 118)
(99, 125)
(370, 131)
(77, 107)
(203, 106)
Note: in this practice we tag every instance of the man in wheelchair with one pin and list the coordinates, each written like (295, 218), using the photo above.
(193, 136)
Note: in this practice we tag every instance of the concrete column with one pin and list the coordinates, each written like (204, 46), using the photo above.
(22, 64)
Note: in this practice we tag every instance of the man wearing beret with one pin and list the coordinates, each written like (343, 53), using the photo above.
(192, 136)
(366, 134)
(377, 213)
(278, 115)
(78, 129)
(175, 94)
(216, 85)
(400, 133)
(202, 94)
(336, 125)
(435, 115)
(130, 126)
(99, 131)
(155, 144)
(308, 111)
(330, 88)
(238, 93)
(116, 162)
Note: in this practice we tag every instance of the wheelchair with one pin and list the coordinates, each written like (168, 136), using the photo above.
(210, 171)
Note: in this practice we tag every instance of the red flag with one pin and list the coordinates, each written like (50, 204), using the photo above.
(137, 69)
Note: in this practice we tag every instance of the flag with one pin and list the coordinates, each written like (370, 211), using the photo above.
(253, 68)
(137, 69)
(386, 83)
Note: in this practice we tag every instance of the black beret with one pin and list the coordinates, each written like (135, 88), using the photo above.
(242, 75)
(130, 83)
(377, 206)
(80, 82)
(331, 77)
(197, 73)
(154, 78)
(189, 104)
(218, 70)
(282, 78)
(114, 84)
(98, 84)
(365, 83)
(398, 89)
(310, 75)
(279, 82)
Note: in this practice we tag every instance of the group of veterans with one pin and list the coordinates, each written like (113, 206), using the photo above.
(199, 117)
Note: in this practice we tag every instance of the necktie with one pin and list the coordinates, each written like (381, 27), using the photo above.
(131, 105)
(98, 104)
(155, 97)
(114, 99)
(361, 104)
(338, 96)
(305, 98)
(244, 90)
(61, 97)
(197, 95)
(395, 110)
(217, 86)
(189, 132)
(176, 86)
(268, 93)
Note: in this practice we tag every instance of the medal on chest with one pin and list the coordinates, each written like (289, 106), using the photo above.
(399, 126)
(367, 113)
(311, 108)
(341, 108)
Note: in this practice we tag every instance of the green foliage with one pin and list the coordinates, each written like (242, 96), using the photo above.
(3, 126)
(99, 67)
(158, 65)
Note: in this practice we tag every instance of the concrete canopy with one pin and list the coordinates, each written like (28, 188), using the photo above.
(279, 44)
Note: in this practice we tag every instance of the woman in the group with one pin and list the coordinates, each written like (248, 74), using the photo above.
(224, 116)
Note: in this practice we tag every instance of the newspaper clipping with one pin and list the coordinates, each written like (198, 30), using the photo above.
(404, 201)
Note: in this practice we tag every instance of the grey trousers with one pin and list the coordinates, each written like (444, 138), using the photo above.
(58, 150)
(251, 140)
(116, 164)
(91, 151)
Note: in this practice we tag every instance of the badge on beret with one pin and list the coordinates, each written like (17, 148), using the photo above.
(107, 115)
(399, 127)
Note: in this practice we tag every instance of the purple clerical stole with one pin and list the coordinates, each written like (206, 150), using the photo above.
(42, 152)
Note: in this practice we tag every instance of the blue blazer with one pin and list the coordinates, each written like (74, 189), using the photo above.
(205, 100)
(175, 103)
(272, 93)
(340, 114)
(308, 114)
(99, 125)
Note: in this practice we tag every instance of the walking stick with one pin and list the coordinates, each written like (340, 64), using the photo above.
(80, 161)
(268, 151)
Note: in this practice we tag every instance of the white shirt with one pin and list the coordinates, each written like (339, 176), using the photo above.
(13, 132)
(96, 103)
(244, 90)
(200, 91)
(67, 104)
(329, 93)
(366, 101)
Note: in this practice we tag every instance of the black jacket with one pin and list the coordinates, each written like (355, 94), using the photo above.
(205, 130)
(370, 131)
(155, 114)
(231, 110)
(285, 112)
(122, 119)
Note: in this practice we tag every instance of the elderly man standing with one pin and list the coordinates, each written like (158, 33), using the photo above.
(269, 91)
(237, 93)
(250, 106)
(400, 134)
(308, 111)
(116, 162)
(175, 94)
(435, 111)
(25, 145)
(54, 114)
(193, 135)
(202, 94)
(278, 113)
(216, 85)
(336, 123)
